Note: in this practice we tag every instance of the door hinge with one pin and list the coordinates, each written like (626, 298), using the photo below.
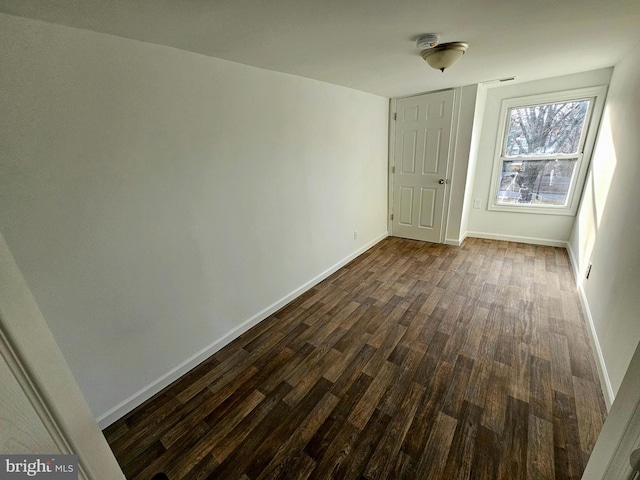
(395, 116)
(393, 169)
(392, 216)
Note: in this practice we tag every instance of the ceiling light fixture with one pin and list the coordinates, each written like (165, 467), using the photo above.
(440, 56)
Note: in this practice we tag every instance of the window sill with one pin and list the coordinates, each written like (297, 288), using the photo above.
(538, 210)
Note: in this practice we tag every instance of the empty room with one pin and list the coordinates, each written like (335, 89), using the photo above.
(324, 240)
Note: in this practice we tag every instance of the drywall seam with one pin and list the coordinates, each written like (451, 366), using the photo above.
(165, 380)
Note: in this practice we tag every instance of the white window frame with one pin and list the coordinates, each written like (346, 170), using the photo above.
(592, 121)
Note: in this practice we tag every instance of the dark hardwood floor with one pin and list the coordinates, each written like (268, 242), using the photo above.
(416, 360)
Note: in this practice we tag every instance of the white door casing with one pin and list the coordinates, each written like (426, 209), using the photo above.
(423, 131)
(620, 434)
(21, 430)
(42, 407)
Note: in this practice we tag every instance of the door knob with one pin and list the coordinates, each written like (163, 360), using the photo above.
(442, 181)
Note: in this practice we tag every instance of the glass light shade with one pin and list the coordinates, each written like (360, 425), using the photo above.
(444, 55)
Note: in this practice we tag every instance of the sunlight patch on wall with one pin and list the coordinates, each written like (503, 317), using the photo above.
(596, 193)
(604, 165)
(586, 227)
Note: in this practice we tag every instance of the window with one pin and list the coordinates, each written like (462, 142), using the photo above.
(542, 151)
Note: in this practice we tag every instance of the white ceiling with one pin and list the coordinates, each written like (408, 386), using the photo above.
(369, 45)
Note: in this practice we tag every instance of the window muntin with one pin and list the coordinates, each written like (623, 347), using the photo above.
(542, 151)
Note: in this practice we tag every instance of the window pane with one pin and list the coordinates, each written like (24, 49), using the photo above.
(545, 129)
(536, 182)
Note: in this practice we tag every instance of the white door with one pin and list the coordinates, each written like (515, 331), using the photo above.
(420, 161)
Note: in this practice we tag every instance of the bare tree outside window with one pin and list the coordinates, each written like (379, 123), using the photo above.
(538, 160)
(546, 129)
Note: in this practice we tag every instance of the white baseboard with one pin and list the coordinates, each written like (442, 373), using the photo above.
(605, 382)
(456, 242)
(574, 264)
(515, 238)
(603, 374)
(142, 395)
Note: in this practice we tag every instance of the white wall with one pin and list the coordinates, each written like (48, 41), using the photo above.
(607, 230)
(526, 227)
(465, 112)
(472, 161)
(155, 200)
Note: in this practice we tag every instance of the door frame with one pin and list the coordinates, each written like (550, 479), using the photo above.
(393, 102)
(620, 434)
(35, 360)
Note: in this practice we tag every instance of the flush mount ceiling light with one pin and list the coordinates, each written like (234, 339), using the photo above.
(440, 56)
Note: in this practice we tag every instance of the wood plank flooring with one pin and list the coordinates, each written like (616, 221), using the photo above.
(415, 361)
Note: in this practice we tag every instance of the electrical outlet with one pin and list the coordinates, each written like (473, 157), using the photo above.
(355, 234)
(477, 203)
